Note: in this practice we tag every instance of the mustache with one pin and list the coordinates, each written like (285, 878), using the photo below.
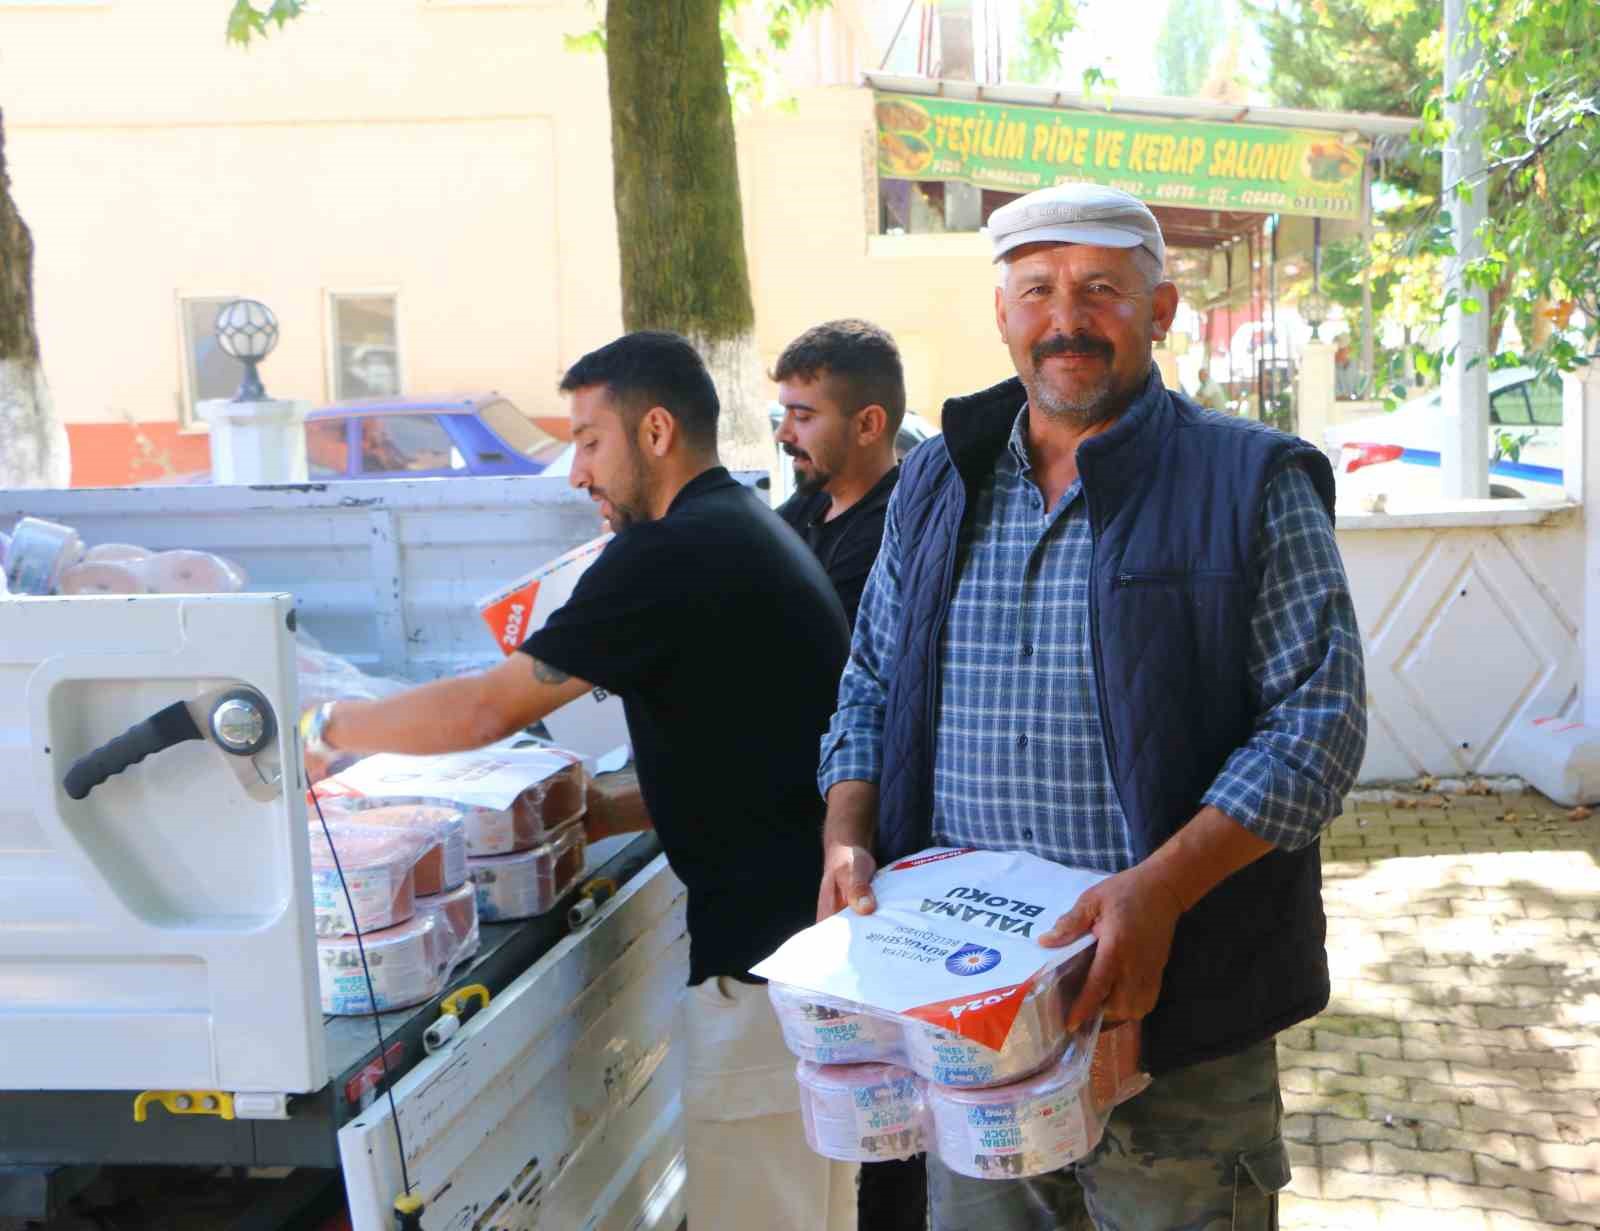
(797, 453)
(1077, 344)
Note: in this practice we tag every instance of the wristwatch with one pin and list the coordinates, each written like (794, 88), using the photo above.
(313, 724)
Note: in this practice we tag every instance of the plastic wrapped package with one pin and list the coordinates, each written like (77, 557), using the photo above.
(403, 961)
(826, 1031)
(510, 799)
(379, 867)
(456, 917)
(104, 553)
(191, 572)
(444, 865)
(39, 552)
(1027, 1128)
(862, 1113)
(528, 883)
(326, 676)
(102, 577)
(1115, 1071)
(1037, 1037)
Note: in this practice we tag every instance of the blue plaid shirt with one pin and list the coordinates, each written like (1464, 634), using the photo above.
(1020, 760)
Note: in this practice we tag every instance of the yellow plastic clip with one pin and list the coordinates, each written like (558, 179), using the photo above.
(184, 1103)
(455, 1001)
(600, 888)
(408, 1213)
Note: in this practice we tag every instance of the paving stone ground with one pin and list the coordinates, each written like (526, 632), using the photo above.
(1454, 1081)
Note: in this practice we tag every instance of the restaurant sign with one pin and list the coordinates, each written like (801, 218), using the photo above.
(1015, 148)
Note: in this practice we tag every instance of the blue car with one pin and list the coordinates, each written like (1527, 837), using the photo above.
(425, 437)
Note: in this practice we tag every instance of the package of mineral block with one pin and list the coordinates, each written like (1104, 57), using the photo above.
(1115, 1071)
(953, 943)
(456, 916)
(1036, 1125)
(1037, 1037)
(39, 552)
(378, 867)
(827, 1031)
(443, 865)
(509, 798)
(528, 883)
(862, 1113)
(403, 961)
(114, 553)
(101, 577)
(191, 572)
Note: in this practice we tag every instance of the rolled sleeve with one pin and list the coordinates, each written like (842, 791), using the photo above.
(1288, 780)
(852, 748)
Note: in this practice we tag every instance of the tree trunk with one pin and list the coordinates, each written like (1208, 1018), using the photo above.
(33, 444)
(680, 222)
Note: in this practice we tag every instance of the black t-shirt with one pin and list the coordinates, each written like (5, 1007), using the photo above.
(724, 639)
(847, 545)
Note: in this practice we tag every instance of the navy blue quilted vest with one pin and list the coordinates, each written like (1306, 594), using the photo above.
(1175, 502)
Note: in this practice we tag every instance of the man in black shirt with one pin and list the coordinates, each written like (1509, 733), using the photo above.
(678, 616)
(843, 394)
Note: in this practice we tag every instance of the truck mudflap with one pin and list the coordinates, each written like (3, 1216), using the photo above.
(558, 1105)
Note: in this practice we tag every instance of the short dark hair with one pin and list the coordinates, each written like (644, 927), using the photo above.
(860, 360)
(653, 368)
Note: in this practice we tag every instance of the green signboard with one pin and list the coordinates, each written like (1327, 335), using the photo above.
(1184, 163)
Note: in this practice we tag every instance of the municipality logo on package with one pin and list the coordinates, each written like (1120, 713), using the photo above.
(954, 941)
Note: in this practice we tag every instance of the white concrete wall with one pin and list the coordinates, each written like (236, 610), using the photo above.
(1470, 619)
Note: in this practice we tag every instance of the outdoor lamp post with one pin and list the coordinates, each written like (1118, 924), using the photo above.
(1314, 311)
(248, 331)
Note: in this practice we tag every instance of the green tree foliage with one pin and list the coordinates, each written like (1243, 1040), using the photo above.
(1189, 39)
(1045, 25)
(1540, 73)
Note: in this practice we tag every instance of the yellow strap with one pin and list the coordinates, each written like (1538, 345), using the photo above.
(454, 1002)
(184, 1103)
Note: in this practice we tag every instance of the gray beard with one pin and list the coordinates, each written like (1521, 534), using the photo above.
(1083, 412)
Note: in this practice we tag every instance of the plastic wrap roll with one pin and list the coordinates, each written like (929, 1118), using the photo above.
(456, 916)
(862, 1113)
(39, 552)
(378, 866)
(403, 961)
(1027, 1128)
(106, 553)
(527, 883)
(444, 865)
(192, 572)
(824, 1030)
(101, 577)
(1038, 1036)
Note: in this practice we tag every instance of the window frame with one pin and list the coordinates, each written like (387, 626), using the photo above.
(330, 331)
(188, 417)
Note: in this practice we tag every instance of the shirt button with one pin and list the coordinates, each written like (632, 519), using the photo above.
(1027, 835)
(1022, 741)
(1027, 649)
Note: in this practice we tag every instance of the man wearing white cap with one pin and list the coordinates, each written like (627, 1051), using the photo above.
(1112, 628)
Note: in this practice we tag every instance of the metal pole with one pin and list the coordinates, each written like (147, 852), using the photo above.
(1464, 453)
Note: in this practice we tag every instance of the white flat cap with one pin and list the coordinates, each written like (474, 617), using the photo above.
(1076, 214)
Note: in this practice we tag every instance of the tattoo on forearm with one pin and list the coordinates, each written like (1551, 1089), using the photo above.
(546, 674)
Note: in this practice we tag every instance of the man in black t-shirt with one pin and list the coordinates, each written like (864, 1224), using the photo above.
(843, 394)
(843, 391)
(679, 616)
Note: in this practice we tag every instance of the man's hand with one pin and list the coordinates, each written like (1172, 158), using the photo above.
(316, 767)
(846, 880)
(847, 862)
(1132, 916)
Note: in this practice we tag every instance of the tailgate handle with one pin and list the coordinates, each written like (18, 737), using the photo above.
(163, 729)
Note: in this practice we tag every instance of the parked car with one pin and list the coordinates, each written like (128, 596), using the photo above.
(421, 437)
(1398, 452)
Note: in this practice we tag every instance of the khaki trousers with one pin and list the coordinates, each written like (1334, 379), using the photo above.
(749, 1168)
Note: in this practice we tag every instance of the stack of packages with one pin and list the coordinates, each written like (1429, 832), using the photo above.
(508, 827)
(938, 1023)
(44, 557)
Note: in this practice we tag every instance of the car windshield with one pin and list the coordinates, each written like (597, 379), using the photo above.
(520, 432)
